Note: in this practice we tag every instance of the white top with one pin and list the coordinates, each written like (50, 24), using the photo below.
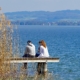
(30, 49)
(43, 52)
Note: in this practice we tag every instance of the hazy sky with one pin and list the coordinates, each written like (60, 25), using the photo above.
(36, 5)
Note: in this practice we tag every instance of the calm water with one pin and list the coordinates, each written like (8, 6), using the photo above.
(62, 42)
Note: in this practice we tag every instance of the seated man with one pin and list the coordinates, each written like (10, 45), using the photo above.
(29, 51)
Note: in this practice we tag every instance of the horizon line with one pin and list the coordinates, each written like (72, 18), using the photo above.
(42, 10)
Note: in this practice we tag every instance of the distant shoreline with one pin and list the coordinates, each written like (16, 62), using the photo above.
(64, 17)
(45, 23)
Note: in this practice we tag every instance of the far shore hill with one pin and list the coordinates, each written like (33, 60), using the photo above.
(64, 17)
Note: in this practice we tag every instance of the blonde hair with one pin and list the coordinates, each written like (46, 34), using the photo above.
(42, 42)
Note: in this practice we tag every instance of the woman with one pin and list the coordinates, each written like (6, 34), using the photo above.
(43, 52)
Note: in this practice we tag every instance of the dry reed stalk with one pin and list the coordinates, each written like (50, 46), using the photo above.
(5, 45)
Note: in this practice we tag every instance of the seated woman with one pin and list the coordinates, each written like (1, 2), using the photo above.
(42, 50)
(42, 53)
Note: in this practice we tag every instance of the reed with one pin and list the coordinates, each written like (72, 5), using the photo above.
(9, 47)
(5, 45)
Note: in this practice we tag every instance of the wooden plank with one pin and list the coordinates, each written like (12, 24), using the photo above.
(32, 60)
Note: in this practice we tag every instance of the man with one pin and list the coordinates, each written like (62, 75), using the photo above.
(29, 51)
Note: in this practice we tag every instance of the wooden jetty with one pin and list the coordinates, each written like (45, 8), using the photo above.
(42, 62)
(32, 60)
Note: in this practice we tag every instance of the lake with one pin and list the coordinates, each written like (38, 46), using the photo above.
(62, 42)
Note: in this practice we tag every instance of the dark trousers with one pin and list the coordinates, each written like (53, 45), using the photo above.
(27, 56)
(40, 68)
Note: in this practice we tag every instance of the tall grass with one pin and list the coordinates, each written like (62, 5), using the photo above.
(5, 45)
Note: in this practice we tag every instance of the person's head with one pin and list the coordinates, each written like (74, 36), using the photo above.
(42, 42)
(28, 42)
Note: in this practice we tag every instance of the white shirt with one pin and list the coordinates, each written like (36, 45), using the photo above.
(43, 52)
